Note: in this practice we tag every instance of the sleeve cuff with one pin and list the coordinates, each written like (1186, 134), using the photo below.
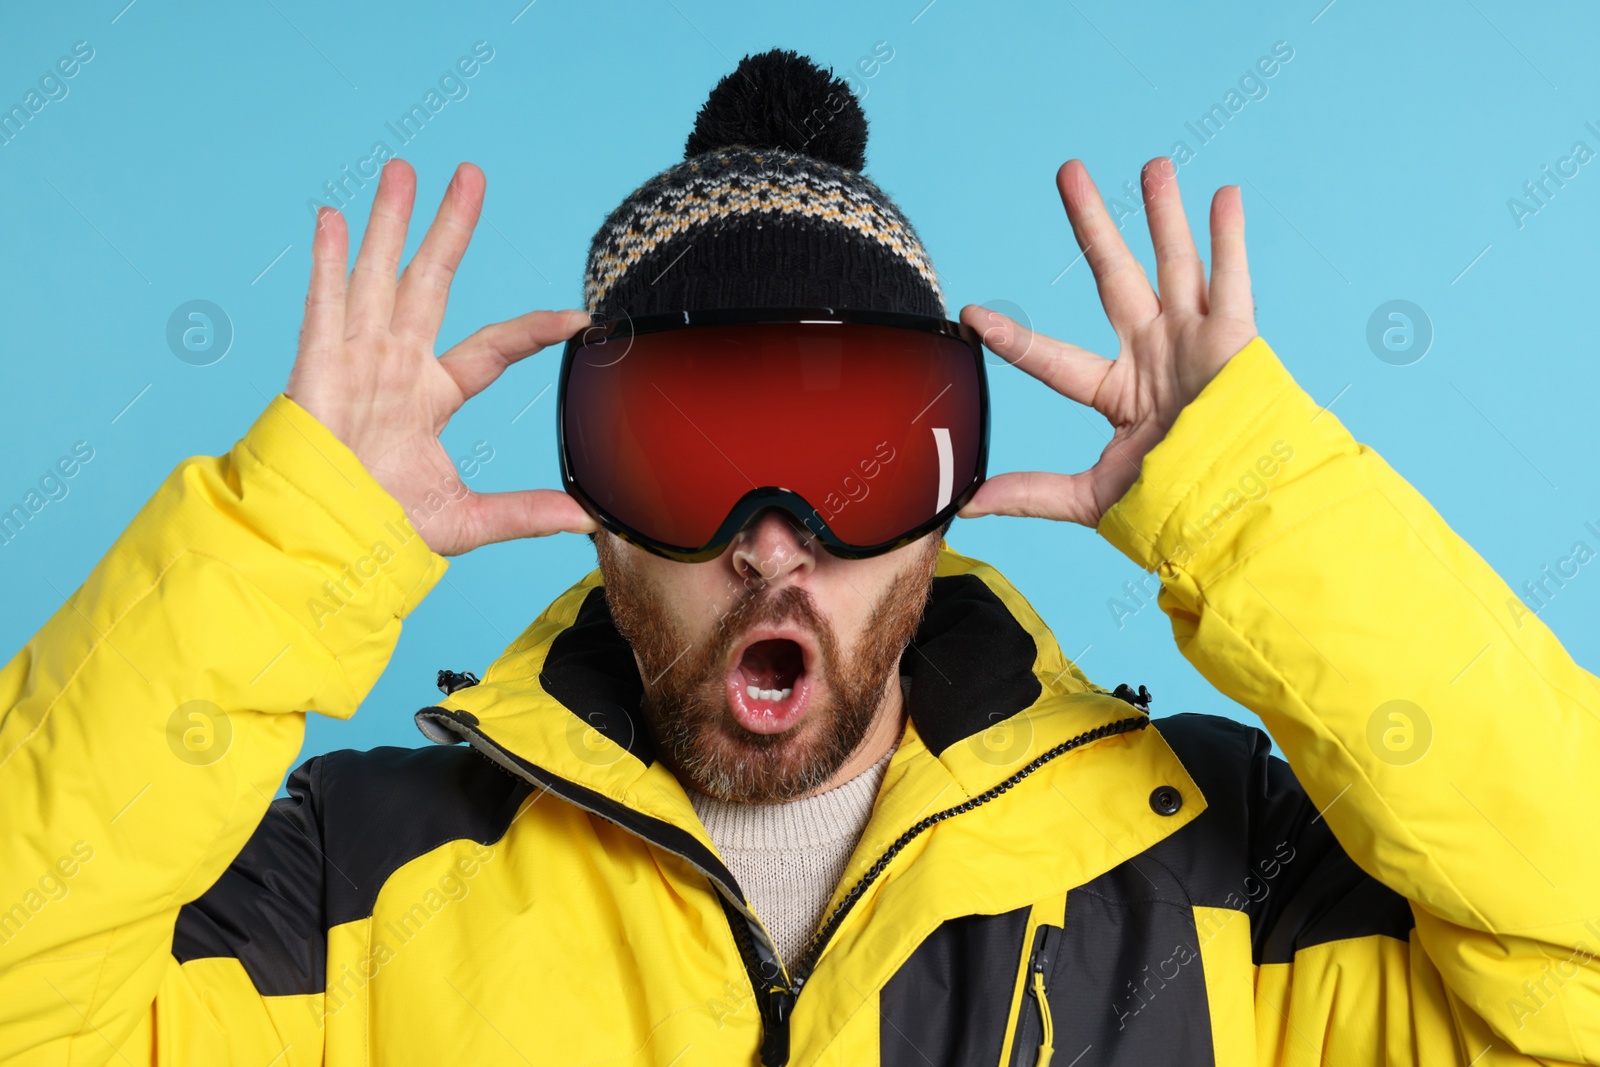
(1251, 429)
(290, 441)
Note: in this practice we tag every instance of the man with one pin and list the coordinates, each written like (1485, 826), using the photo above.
(788, 780)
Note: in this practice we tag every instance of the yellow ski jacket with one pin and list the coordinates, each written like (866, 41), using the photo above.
(1046, 872)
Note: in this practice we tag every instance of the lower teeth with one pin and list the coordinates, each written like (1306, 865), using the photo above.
(774, 695)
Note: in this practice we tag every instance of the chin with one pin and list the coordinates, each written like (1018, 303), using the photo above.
(727, 761)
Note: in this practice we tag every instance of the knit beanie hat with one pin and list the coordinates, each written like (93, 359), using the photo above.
(769, 208)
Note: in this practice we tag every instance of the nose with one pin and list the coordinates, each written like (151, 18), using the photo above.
(771, 549)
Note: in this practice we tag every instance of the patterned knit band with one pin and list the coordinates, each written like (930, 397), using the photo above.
(769, 209)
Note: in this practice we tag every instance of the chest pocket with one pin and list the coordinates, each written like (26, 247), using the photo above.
(1121, 978)
(1120, 983)
(951, 1001)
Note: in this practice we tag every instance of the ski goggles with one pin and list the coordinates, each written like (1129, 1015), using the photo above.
(869, 428)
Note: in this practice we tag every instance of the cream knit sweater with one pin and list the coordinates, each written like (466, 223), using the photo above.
(789, 857)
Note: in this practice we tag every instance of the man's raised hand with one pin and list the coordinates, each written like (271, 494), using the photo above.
(1171, 345)
(366, 367)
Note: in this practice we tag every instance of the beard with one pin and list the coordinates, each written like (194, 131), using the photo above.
(685, 704)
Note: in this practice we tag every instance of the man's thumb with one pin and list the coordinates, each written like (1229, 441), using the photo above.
(525, 513)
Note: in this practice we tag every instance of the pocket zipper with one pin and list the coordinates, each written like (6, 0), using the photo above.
(1047, 1040)
(1041, 963)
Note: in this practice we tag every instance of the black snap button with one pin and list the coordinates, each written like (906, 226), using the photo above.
(1166, 800)
(472, 720)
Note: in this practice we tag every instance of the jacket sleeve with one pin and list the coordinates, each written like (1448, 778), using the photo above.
(145, 727)
(1439, 728)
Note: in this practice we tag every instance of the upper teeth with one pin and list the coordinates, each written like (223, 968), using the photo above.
(757, 693)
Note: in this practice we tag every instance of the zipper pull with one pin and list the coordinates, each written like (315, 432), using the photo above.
(775, 1031)
(449, 681)
(1047, 1047)
(1140, 700)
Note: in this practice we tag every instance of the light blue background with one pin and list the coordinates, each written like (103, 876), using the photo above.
(1378, 167)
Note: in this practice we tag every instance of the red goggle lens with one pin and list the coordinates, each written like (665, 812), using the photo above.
(878, 428)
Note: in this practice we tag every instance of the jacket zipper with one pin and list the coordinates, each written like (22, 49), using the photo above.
(819, 940)
(775, 997)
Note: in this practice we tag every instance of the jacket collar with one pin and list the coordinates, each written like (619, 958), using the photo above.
(992, 696)
(990, 688)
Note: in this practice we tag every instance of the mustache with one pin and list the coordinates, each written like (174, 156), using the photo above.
(756, 609)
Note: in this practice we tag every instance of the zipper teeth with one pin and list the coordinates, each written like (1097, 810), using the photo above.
(743, 937)
(808, 959)
(819, 940)
(745, 942)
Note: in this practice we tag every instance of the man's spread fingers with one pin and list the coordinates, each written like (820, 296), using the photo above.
(372, 282)
(1180, 275)
(476, 362)
(1073, 372)
(425, 286)
(1124, 290)
(323, 328)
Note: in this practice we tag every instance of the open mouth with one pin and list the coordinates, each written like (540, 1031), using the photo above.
(768, 688)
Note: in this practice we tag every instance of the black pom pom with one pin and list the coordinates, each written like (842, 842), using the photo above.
(782, 100)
